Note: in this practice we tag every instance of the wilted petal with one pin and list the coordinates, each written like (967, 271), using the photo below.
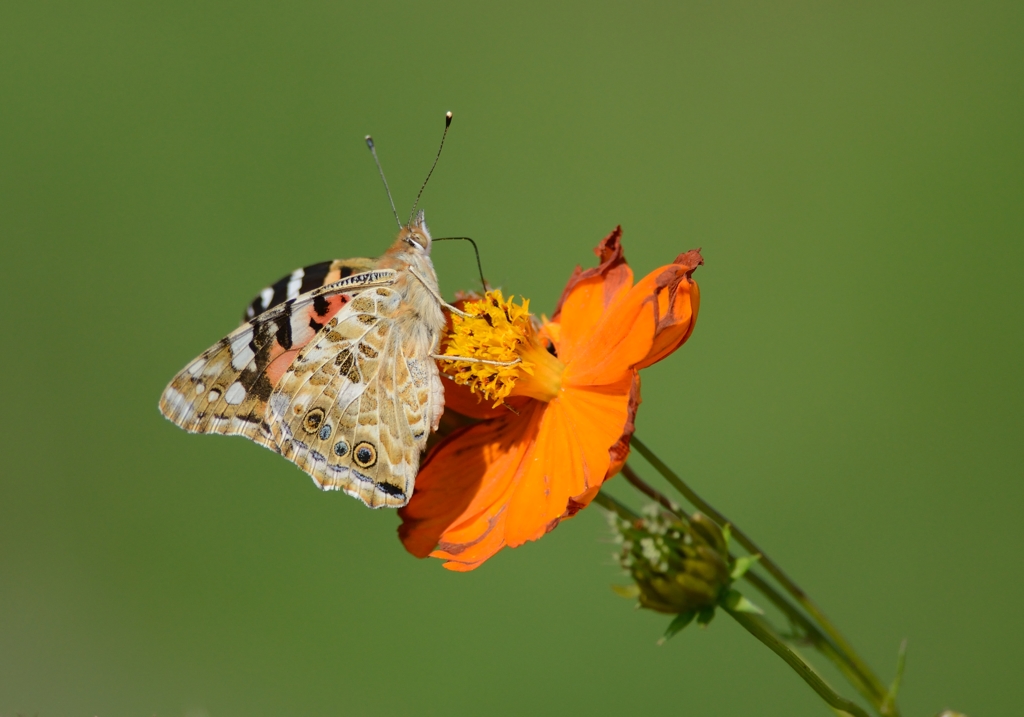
(678, 311)
(645, 324)
(589, 293)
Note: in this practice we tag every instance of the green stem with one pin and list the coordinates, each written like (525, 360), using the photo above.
(878, 690)
(811, 632)
(609, 503)
(819, 640)
(760, 629)
(637, 482)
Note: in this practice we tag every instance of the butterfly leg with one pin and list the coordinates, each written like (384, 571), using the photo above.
(469, 359)
(437, 297)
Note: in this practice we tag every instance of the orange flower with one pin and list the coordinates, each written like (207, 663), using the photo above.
(573, 390)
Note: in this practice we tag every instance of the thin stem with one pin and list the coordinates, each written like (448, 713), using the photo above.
(818, 639)
(760, 629)
(815, 636)
(630, 475)
(878, 690)
(606, 501)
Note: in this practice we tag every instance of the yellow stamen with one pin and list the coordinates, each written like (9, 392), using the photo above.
(500, 331)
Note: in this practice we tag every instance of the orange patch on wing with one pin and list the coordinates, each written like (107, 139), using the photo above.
(280, 359)
(279, 364)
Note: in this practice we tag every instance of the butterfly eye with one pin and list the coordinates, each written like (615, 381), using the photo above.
(365, 454)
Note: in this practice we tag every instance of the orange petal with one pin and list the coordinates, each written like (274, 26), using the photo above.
(457, 510)
(569, 458)
(589, 293)
(646, 324)
(674, 329)
(620, 450)
(460, 399)
(512, 479)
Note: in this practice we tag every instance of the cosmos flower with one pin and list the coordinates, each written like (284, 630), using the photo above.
(546, 429)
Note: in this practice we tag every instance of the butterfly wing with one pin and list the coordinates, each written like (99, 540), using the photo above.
(303, 280)
(226, 388)
(356, 406)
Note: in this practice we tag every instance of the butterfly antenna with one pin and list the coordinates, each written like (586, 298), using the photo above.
(373, 151)
(447, 124)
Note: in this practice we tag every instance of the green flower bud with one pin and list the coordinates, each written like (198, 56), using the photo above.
(677, 566)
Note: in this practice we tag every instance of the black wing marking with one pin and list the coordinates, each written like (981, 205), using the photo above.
(305, 279)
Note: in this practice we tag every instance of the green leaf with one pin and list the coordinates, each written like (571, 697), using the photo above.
(737, 603)
(890, 699)
(742, 565)
(727, 534)
(705, 616)
(630, 592)
(681, 620)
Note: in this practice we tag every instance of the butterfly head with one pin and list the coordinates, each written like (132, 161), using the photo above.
(415, 234)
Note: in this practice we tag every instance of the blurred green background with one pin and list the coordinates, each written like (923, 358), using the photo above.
(852, 395)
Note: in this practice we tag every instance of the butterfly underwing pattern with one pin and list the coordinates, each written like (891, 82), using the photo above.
(332, 369)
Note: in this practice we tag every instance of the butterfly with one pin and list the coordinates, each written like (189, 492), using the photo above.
(338, 378)
(333, 367)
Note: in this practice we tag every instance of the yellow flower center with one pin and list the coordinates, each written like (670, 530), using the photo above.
(500, 331)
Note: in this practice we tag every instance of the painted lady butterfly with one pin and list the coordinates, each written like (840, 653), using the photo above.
(333, 368)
